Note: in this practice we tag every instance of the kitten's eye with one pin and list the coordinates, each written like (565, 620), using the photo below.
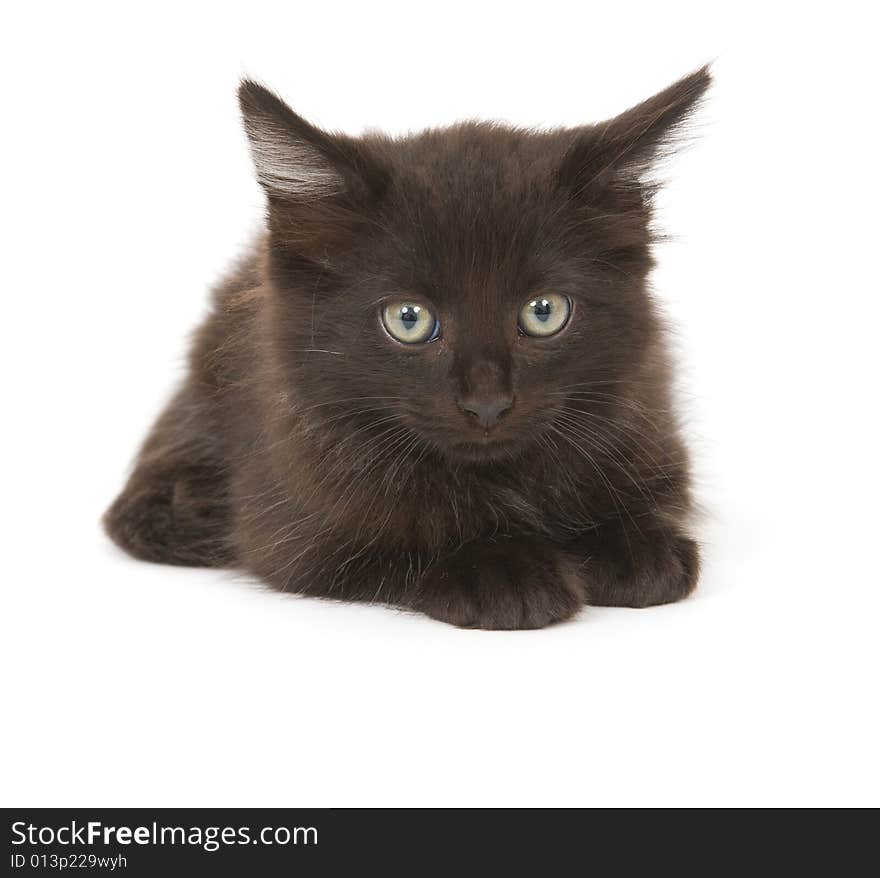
(410, 323)
(545, 314)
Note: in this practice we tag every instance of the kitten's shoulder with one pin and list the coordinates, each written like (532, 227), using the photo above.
(241, 285)
(224, 343)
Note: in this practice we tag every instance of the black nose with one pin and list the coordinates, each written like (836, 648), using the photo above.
(487, 410)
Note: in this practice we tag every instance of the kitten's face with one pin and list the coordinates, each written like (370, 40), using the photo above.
(455, 290)
(473, 299)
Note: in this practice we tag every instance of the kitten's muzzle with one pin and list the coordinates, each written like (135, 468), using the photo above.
(486, 410)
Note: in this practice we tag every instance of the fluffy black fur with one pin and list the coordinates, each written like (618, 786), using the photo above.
(487, 477)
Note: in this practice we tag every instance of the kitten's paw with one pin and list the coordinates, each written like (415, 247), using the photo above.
(660, 569)
(502, 586)
(181, 519)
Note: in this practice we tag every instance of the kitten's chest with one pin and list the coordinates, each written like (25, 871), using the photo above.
(424, 510)
(455, 511)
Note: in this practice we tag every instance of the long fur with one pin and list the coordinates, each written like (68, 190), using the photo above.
(313, 450)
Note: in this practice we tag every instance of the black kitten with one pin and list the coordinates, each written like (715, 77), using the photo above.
(438, 382)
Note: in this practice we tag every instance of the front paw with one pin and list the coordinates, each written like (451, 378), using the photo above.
(502, 586)
(641, 570)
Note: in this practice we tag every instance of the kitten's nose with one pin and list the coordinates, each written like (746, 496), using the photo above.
(487, 410)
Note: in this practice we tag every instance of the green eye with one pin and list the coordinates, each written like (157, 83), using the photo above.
(410, 323)
(545, 314)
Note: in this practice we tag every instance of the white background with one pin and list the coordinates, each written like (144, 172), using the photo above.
(126, 190)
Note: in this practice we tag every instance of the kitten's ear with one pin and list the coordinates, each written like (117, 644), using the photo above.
(628, 144)
(297, 162)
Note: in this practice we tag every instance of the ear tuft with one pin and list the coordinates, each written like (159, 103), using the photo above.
(632, 141)
(293, 159)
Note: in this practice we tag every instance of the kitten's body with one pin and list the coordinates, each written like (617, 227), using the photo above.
(315, 451)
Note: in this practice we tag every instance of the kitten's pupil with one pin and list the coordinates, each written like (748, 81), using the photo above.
(542, 310)
(409, 316)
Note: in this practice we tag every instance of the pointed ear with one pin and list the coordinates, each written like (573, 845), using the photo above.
(627, 145)
(295, 161)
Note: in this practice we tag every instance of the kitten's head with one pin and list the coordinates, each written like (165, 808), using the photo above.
(459, 287)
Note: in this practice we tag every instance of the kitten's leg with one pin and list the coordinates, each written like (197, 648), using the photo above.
(500, 584)
(530, 583)
(503, 584)
(174, 508)
(640, 564)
